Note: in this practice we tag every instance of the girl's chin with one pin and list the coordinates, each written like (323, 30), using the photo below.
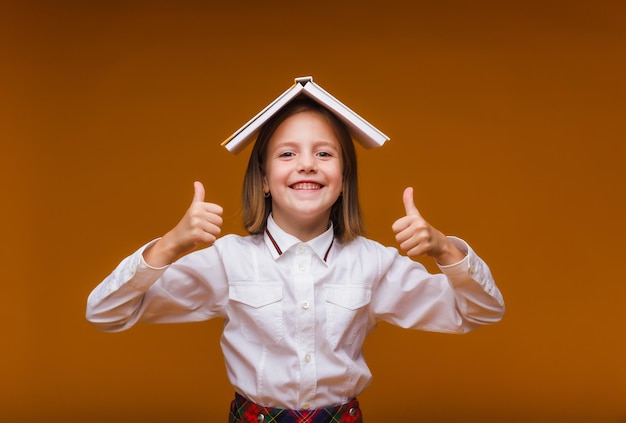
(304, 213)
(306, 191)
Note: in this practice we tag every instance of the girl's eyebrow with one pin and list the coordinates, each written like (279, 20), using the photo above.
(315, 144)
(282, 145)
(326, 143)
(286, 143)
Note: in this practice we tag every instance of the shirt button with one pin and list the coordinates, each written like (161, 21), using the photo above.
(260, 418)
(302, 267)
(307, 358)
(352, 412)
(305, 305)
(300, 249)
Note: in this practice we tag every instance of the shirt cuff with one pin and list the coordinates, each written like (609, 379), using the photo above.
(470, 268)
(142, 261)
(461, 266)
(144, 275)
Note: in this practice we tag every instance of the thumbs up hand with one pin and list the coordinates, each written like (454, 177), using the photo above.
(418, 238)
(200, 226)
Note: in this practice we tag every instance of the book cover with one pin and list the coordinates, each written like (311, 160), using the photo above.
(361, 130)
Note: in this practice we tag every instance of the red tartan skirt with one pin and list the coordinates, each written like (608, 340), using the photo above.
(243, 410)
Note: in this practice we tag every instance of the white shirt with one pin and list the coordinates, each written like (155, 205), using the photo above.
(294, 323)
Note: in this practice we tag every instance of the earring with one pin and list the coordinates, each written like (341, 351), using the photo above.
(266, 194)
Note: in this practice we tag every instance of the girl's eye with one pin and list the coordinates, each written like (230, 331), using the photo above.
(286, 154)
(324, 154)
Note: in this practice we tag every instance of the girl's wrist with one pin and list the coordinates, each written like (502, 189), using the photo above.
(449, 253)
(162, 253)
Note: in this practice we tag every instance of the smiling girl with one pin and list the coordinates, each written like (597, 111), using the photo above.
(299, 294)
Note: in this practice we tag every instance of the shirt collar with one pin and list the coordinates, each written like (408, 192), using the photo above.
(284, 241)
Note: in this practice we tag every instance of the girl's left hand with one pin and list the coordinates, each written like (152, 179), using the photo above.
(418, 238)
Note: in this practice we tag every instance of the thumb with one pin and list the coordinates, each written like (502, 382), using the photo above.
(409, 204)
(198, 192)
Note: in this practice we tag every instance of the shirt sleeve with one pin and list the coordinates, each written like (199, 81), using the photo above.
(461, 298)
(192, 289)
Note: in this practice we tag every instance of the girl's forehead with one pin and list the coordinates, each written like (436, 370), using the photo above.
(307, 116)
(305, 126)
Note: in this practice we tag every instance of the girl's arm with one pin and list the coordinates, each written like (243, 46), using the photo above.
(141, 289)
(458, 300)
(463, 297)
(192, 289)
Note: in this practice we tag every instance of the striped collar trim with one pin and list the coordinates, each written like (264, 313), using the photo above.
(279, 241)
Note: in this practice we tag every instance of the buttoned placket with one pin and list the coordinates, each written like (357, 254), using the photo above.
(303, 258)
(305, 323)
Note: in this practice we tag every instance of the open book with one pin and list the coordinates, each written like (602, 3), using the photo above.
(361, 130)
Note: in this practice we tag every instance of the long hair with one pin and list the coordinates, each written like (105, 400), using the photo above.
(345, 213)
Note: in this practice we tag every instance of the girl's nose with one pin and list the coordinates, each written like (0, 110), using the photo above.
(307, 164)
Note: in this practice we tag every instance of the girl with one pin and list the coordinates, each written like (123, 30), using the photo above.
(301, 292)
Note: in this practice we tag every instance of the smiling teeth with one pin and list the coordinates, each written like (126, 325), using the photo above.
(306, 186)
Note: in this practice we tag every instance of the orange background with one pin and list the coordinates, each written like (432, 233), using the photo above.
(507, 117)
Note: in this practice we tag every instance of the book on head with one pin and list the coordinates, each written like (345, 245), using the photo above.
(360, 129)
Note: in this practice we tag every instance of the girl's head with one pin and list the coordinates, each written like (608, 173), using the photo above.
(341, 198)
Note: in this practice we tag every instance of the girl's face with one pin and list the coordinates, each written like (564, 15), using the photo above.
(303, 173)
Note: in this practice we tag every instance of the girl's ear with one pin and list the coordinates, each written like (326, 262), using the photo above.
(266, 185)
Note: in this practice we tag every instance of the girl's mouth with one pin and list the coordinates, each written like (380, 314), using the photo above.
(306, 186)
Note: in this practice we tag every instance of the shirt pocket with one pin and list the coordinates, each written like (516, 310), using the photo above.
(346, 312)
(258, 310)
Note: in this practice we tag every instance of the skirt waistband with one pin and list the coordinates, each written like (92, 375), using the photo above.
(242, 410)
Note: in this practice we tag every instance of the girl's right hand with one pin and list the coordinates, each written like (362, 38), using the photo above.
(199, 227)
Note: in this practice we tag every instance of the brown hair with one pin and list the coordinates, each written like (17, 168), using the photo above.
(345, 213)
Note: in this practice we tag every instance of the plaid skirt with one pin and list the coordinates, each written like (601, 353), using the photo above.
(242, 410)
